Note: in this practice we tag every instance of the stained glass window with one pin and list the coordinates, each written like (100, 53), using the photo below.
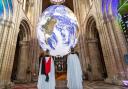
(123, 20)
(7, 5)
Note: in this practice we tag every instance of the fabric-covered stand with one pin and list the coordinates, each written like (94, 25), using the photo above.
(74, 72)
(46, 79)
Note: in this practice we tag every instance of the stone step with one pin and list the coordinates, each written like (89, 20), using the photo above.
(61, 88)
(61, 84)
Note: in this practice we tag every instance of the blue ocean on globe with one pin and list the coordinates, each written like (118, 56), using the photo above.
(57, 30)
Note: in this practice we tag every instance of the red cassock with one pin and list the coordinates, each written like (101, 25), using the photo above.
(47, 66)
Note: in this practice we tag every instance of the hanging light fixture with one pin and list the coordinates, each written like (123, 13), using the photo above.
(57, 1)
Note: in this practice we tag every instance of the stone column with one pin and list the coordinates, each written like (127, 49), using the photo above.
(80, 16)
(122, 48)
(24, 4)
(2, 29)
(23, 61)
(4, 40)
(115, 55)
(94, 59)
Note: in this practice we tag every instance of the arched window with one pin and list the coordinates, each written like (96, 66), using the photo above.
(27, 6)
(124, 25)
(90, 2)
(123, 17)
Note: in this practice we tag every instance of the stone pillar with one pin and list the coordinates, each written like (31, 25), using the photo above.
(109, 50)
(2, 29)
(3, 68)
(115, 55)
(24, 4)
(94, 59)
(80, 16)
(122, 48)
(23, 61)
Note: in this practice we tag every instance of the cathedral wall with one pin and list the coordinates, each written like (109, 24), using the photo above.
(112, 41)
(9, 40)
(113, 50)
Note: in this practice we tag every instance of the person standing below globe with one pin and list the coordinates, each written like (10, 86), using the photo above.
(46, 78)
(57, 31)
(74, 72)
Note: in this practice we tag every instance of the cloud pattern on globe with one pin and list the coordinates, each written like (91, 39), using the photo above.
(57, 30)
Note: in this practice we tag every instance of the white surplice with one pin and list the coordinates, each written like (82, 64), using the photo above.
(74, 72)
(42, 84)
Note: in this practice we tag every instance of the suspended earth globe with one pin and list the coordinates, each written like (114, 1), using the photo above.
(57, 30)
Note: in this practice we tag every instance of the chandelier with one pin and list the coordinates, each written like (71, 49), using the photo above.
(57, 1)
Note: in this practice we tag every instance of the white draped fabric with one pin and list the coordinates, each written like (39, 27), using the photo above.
(74, 72)
(42, 84)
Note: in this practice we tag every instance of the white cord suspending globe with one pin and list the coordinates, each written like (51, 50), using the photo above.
(57, 30)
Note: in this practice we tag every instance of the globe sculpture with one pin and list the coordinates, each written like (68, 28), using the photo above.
(57, 30)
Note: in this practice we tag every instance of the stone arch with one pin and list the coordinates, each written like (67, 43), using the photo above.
(26, 29)
(89, 25)
(27, 4)
(95, 61)
(21, 64)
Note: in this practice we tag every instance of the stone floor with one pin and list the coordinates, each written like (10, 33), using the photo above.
(87, 85)
(101, 85)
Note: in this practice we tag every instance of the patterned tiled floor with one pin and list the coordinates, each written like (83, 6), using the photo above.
(25, 86)
(87, 85)
(101, 85)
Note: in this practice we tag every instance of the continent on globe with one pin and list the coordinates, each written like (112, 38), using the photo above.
(49, 26)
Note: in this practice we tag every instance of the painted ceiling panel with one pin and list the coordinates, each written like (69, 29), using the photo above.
(7, 6)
